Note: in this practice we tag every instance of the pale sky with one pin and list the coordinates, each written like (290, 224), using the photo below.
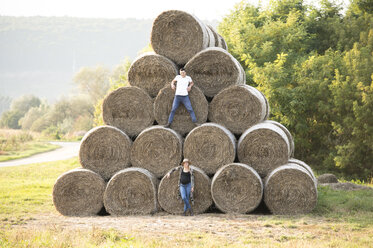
(203, 9)
(140, 9)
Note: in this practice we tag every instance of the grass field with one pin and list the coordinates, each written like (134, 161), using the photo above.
(29, 219)
(15, 144)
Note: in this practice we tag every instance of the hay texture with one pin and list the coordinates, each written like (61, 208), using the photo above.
(105, 150)
(129, 109)
(211, 35)
(290, 189)
(214, 69)
(131, 191)
(219, 40)
(169, 197)
(288, 134)
(263, 146)
(178, 36)
(216, 36)
(236, 188)
(304, 165)
(222, 42)
(238, 107)
(268, 108)
(151, 72)
(210, 146)
(182, 122)
(327, 178)
(79, 192)
(157, 149)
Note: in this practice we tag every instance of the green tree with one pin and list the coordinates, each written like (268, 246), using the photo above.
(27, 121)
(314, 65)
(18, 109)
(93, 81)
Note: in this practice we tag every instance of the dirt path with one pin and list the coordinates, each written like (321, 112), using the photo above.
(209, 229)
(67, 150)
(165, 225)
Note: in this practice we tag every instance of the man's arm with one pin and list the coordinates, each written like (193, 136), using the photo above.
(173, 84)
(190, 85)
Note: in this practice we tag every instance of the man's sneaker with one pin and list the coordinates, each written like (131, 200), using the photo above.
(167, 125)
(185, 212)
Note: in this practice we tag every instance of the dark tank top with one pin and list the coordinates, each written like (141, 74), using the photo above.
(185, 177)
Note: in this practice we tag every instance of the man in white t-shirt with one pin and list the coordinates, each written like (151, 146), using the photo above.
(183, 86)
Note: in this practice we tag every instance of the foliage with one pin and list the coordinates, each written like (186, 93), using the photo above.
(93, 81)
(18, 109)
(315, 66)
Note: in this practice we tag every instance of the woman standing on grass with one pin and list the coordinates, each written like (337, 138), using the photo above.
(186, 184)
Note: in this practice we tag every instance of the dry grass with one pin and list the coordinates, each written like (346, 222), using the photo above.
(15, 144)
(218, 232)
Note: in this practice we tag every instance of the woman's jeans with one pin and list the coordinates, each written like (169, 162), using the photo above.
(184, 100)
(185, 194)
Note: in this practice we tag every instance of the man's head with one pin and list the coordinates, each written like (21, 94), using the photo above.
(182, 71)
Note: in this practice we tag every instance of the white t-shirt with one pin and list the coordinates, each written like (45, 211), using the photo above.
(182, 85)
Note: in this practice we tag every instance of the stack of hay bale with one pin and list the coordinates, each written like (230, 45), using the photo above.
(125, 162)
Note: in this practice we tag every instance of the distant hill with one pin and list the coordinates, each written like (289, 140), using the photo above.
(39, 55)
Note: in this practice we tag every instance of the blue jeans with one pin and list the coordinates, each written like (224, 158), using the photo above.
(185, 194)
(184, 100)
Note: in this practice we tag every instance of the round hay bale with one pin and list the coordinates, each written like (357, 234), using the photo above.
(327, 178)
(288, 134)
(182, 122)
(238, 107)
(105, 150)
(210, 146)
(129, 109)
(243, 74)
(304, 165)
(169, 197)
(263, 146)
(290, 189)
(214, 69)
(131, 191)
(157, 149)
(237, 188)
(178, 36)
(268, 108)
(79, 192)
(151, 72)
(223, 43)
(210, 35)
(217, 40)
